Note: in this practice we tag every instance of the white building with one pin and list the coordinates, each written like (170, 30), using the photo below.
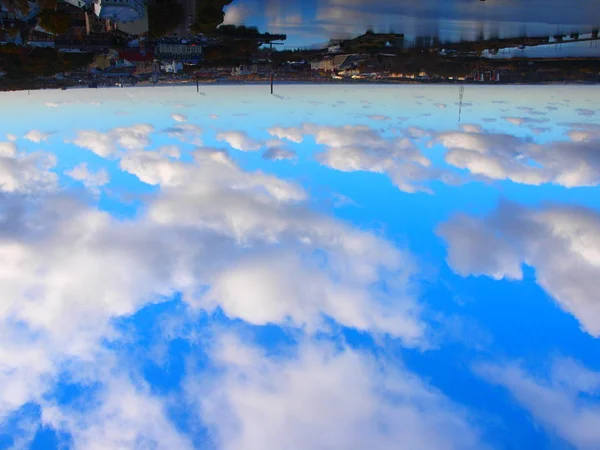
(79, 3)
(171, 67)
(120, 10)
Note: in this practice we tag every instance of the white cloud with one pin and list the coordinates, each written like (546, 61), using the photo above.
(107, 144)
(36, 136)
(11, 137)
(25, 172)
(441, 105)
(178, 117)
(360, 148)
(561, 243)
(524, 120)
(471, 128)
(565, 402)
(279, 154)
(291, 134)
(503, 156)
(91, 180)
(258, 209)
(121, 416)
(379, 117)
(322, 398)
(69, 269)
(236, 15)
(188, 133)
(586, 112)
(239, 140)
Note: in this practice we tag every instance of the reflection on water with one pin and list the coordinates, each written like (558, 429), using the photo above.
(309, 22)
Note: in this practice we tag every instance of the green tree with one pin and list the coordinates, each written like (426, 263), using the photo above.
(54, 22)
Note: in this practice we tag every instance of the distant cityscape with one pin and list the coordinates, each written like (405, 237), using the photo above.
(102, 43)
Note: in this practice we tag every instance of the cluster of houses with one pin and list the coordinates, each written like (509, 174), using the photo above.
(92, 27)
(119, 11)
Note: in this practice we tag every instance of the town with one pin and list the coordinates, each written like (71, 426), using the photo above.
(116, 43)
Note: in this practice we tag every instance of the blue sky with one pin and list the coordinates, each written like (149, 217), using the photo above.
(333, 267)
(309, 22)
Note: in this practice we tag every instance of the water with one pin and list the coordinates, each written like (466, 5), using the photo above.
(313, 22)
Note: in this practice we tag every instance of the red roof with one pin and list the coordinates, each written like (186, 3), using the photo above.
(134, 55)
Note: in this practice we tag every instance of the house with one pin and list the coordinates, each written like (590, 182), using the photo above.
(119, 72)
(183, 51)
(142, 61)
(12, 36)
(325, 65)
(96, 25)
(40, 39)
(120, 10)
(171, 67)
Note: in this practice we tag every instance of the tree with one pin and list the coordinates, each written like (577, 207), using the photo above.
(54, 22)
(209, 15)
(164, 16)
(47, 4)
(16, 5)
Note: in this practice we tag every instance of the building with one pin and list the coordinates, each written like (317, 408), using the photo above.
(96, 25)
(83, 4)
(171, 67)
(120, 10)
(141, 60)
(325, 65)
(186, 52)
(40, 39)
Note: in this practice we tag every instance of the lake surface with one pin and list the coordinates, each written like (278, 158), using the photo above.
(346, 267)
(310, 22)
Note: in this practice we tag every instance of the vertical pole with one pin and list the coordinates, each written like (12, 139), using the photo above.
(197, 85)
(271, 61)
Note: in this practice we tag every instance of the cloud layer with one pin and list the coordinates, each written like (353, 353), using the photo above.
(562, 243)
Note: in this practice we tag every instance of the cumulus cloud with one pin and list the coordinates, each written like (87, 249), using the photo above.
(440, 105)
(279, 154)
(188, 133)
(212, 233)
(500, 156)
(291, 134)
(120, 416)
(25, 172)
(586, 112)
(11, 137)
(524, 120)
(178, 117)
(108, 144)
(562, 244)
(36, 136)
(261, 208)
(302, 399)
(239, 140)
(379, 117)
(236, 15)
(565, 402)
(91, 180)
(360, 148)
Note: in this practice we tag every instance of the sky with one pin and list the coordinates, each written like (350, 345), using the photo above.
(313, 22)
(327, 267)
